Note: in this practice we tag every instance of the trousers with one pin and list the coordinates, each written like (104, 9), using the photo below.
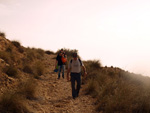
(61, 68)
(75, 77)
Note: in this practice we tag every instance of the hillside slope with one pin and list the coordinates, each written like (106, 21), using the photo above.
(36, 91)
(29, 85)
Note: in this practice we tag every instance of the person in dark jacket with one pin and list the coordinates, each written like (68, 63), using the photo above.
(61, 65)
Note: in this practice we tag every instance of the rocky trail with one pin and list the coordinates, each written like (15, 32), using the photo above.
(54, 96)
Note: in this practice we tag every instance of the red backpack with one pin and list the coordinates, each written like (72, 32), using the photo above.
(64, 60)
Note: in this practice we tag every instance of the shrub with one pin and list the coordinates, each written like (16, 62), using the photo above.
(21, 50)
(5, 56)
(93, 65)
(9, 49)
(16, 43)
(11, 71)
(38, 69)
(123, 92)
(2, 34)
(27, 88)
(28, 69)
(31, 54)
(11, 102)
(40, 53)
(91, 86)
(49, 52)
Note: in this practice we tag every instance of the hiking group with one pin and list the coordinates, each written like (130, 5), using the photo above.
(73, 72)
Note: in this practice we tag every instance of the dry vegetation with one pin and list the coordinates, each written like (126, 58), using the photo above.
(2, 34)
(11, 102)
(114, 89)
(117, 90)
(19, 67)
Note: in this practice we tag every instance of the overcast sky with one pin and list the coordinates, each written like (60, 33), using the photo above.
(116, 32)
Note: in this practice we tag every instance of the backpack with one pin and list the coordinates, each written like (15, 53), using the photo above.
(79, 61)
(64, 60)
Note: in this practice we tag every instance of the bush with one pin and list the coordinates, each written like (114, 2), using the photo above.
(9, 49)
(49, 52)
(31, 54)
(21, 50)
(40, 53)
(2, 34)
(11, 102)
(27, 88)
(123, 92)
(5, 56)
(91, 86)
(27, 69)
(38, 69)
(93, 65)
(16, 43)
(11, 71)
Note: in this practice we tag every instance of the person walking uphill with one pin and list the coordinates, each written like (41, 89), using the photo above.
(60, 63)
(74, 68)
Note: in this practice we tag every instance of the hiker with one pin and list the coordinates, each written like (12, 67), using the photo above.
(74, 68)
(60, 63)
(64, 58)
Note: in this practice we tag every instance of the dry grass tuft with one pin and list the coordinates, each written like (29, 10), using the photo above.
(27, 69)
(18, 46)
(38, 69)
(49, 52)
(11, 71)
(8, 56)
(28, 88)
(16, 43)
(9, 49)
(2, 35)
(31, 54)
(11, 102)
(5, 56)
(91, 85)
(94, 64)
(40, 53)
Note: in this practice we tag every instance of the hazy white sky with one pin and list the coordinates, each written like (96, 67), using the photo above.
(115, 31)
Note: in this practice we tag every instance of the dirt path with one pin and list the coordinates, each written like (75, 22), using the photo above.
(54, 96)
